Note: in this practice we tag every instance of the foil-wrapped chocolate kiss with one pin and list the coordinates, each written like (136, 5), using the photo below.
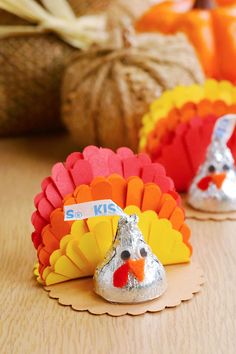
(214, 187)
(130, 272)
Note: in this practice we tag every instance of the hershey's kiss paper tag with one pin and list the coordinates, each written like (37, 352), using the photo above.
(224, 128)
(86, 210)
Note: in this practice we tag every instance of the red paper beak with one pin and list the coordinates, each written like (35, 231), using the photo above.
(136, 267)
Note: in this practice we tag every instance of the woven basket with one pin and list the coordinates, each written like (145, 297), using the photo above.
(31, 68)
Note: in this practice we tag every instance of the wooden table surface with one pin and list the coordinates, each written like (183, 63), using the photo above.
(30, 322)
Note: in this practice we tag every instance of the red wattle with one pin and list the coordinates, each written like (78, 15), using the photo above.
(203, 184)
(120, 276)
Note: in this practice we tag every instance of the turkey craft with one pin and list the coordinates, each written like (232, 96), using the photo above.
(130, 272)
(178, 127)
(72, 249)
(214, 187)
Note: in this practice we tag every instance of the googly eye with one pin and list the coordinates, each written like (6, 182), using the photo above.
(143, 252)
(211, 168)
(125, 255)
(225, 167)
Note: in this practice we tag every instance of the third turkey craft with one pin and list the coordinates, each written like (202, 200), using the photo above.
(177, 129)
(209, 25)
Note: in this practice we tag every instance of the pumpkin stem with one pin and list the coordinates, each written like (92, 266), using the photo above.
(121, 15)
(127, 31)
(122, 35)
(204, 4)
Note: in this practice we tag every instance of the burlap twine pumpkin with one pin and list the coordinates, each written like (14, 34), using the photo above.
(106, 92)
(31, 68)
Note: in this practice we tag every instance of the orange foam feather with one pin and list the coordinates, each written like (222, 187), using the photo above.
(134, 192)
(176, 116)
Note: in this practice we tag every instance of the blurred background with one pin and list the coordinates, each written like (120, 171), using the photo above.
(101, 72)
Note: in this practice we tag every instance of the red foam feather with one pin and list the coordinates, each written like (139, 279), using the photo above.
(183, 156)
(72, 158)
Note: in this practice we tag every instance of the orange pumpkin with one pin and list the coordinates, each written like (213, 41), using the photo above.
(212, 32)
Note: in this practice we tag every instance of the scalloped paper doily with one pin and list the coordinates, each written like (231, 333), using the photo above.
(191, 213)
(184, 280)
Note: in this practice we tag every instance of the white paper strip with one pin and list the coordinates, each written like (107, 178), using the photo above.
(86, 210)
(224, 128)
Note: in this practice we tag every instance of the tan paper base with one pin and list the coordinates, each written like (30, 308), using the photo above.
(184, 280)
(192, 213)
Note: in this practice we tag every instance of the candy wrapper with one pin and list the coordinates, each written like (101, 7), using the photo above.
(214, 187)
(130, 272)
(178, 127)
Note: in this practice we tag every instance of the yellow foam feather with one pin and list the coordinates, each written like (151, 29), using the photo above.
(36, 273)
(226, 91)
(114, 223)
(104, 236)
(145, 222)
(165, 101)
(74, 254)
(142, 143)
(233, 93)
(194, 93)
(39, 280)
(132, 209)
(47, 271)
(54, 278)
(55, 256)
(92, 222)
(74, 258)
(145, 219)
(36, 269)
(159, 113)
(211, 89)
(219, 90)
(146, 118)
(78, 228)
(64, 242)
(167, 244)
(89, 248)
(64, 266)
(149, 125)
(180, 94)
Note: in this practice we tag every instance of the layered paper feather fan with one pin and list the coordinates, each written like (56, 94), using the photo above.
(177, 130)
(72, 249)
